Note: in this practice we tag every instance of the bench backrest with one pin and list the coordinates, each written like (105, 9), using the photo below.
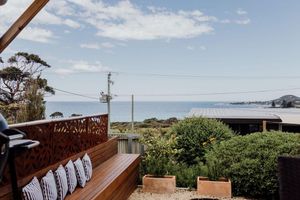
(60, 140)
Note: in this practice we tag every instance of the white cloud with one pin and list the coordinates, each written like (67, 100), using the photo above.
(107, 45)
(50, 15)
(203, 48)
(62, 71)
(103, 45)
(125, 21)
(225, 21)
(191, 48)
(36, 34)
(81, 66)
(90, 46)
(243, 22)
(61, 7)
(240, 11)
(71, 23)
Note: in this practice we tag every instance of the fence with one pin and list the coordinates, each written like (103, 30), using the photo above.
(129, 143)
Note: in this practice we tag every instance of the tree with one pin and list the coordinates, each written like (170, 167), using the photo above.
(57, 114)
(283, 104)
(76, 115)
(273, 104)
(23, 86)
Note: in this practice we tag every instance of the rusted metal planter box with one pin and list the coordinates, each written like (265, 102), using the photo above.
(220, 188)
(154, 184)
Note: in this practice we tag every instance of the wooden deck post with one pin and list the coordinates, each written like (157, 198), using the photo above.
(264, 126)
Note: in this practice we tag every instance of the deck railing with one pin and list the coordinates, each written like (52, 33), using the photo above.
(59, 139)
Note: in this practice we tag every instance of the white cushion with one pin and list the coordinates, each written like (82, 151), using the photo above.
(32, 191)
(80, 172)
(49, 187)
(87, 165)
(71, 176)
(61, 182)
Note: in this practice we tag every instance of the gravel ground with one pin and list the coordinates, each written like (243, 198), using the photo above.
(180, 194)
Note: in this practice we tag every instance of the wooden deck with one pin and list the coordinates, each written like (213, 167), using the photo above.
(115, 175)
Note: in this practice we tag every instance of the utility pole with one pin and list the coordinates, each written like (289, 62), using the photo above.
(109, 81)
(132, 113)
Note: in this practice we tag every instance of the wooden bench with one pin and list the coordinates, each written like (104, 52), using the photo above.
(114, 176)
(114, 179)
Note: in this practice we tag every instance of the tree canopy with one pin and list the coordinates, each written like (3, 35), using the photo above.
(22, 85)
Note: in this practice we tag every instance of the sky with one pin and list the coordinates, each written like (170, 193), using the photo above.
(171, 50)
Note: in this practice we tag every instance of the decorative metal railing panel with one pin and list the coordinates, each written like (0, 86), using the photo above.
(59, 139)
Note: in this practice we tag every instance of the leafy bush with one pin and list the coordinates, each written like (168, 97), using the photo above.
(251, 161)
(196, 135)
(159, 155)
(186, 176)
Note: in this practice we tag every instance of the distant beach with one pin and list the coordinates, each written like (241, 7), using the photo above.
(121, 111)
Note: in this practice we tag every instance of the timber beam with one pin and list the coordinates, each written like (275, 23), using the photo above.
(21, 22)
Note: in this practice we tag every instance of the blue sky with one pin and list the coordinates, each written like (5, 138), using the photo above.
(228, 46)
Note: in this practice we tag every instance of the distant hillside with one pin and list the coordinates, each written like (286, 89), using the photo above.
(284, 101)
(287, 98)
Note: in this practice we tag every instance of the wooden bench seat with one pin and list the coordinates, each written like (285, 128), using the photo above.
(116, 178)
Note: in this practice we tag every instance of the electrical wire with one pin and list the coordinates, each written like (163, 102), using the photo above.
(76, 94)
(204, 76)
(187, 94)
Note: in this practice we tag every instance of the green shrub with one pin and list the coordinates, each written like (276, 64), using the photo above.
(186, 176)
(196, 135)
(159, 156)
(251, 161)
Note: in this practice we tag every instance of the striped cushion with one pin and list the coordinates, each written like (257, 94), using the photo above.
(49, 187)
(87, 165)
(32, 191)
(71, 176)
(80, 172)
(61, 182)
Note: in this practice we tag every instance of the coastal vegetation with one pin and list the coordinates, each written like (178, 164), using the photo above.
(181, 150)
(206, 147)
(57, 114)
(23, 88)
(195, 135)
(250, 161)
(152, 123)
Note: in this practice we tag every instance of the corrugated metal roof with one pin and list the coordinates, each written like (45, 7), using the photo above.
(287, 115)
(232, 113)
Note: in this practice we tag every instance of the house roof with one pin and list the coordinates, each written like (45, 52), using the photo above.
(288, 115)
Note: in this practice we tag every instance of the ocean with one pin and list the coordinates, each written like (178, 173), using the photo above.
(121, 111)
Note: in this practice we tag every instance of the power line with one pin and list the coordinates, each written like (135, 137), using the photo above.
(215, 93)
(182, 94)
(176, 75)
(76, 94)
(205, 76)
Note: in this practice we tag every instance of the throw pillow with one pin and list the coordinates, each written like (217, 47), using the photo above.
(87, 165)
(32, 191)
(80, 172)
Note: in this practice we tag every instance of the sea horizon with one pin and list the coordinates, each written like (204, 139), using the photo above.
(121, 110)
